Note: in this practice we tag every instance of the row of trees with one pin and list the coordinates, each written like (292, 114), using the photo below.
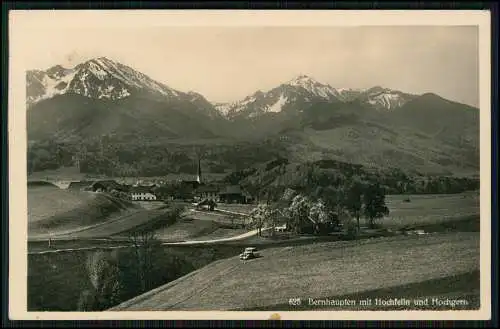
(323, 210)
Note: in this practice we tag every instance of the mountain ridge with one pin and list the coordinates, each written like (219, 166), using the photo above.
(378, 96)
(376, 125)
(305, 89)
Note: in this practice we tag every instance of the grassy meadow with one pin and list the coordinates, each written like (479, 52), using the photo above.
(196, 229)
(318, 270)
(429, 209)
(55, 211)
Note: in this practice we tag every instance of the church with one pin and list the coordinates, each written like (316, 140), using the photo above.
(213, 192)
(202, 191)
(194, 183)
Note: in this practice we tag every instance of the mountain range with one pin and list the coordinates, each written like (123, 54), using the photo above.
(293, 94)
(375, 126)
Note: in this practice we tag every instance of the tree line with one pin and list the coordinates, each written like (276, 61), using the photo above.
(105, 156)
(270, 181)
(324, 209)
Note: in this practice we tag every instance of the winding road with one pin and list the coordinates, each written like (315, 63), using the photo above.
(99, 232)
(188, 242)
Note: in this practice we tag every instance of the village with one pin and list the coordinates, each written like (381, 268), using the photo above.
(188, 190)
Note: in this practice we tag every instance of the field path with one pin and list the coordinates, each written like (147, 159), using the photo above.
(189, 242)
(234, 238)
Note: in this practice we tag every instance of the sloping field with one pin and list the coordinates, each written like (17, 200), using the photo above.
(426, 209)
(52, 210)
(47, 201)
(198, 224)
(216, 216)
(186, 229)
(316, 271)
(120, 225)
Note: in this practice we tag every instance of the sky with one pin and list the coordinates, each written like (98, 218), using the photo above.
(229, 63)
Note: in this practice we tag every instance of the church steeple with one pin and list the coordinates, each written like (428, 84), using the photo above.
(198, 178)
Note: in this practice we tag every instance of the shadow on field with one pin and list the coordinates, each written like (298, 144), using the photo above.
(469, 223)
(97, 210)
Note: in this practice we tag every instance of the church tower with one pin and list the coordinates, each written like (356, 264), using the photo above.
(198, 178)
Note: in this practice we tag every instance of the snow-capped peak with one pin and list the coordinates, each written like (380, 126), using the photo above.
(302, 80)
(385, 98)
(313, 86)
(304, 89)
(99, 78)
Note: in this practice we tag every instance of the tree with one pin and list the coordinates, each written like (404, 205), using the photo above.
(298, 212)
(259, 216)
(319, 215)
(374, 203)
(104, 277)
(334, 200)
(144, 243)
(288, 195)
(353, 200)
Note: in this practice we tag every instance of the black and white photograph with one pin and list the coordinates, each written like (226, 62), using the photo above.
(253, 167)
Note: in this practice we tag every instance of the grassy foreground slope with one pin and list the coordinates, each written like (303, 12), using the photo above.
(315, 271)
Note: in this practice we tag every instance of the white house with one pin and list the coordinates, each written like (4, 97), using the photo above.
(141, 196)
(142, 193)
